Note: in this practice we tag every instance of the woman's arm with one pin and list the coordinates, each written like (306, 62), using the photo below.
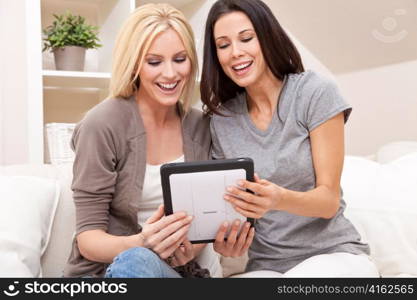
(162, 234)
(97, 245)
(327, 146)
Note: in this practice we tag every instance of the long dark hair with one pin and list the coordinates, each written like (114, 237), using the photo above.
(281, 56)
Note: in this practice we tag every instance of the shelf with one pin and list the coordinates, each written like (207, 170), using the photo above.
(72, 79)
(65, 96)
(175, 3)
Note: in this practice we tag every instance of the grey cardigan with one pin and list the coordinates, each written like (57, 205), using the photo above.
(109, 170)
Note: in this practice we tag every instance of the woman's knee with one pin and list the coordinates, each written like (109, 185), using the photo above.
(135, 262)
(138, 255)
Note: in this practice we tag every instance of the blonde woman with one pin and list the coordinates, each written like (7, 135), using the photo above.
(121, 230)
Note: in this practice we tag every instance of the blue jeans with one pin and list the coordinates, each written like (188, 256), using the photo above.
(139, 262)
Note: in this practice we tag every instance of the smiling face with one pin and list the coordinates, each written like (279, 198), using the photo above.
(165, 69)
(238, 49)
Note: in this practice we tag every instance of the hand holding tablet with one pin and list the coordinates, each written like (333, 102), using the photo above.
(198, 189)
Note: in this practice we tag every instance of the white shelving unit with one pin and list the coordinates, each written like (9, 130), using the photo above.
(64, 96)
(69, 79)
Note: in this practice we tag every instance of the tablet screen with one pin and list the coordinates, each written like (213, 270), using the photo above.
(200, 194)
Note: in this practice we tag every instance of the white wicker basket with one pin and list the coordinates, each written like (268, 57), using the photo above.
(58, 139)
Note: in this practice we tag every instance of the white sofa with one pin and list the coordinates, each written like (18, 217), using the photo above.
(381, 203)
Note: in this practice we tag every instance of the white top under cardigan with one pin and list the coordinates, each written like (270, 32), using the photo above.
(152, 191)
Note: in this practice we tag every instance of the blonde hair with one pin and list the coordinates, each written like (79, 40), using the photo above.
(134, 40)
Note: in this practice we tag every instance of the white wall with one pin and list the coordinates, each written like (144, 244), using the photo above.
(196, 12)
(13, 106)
(384, 104)
(2, 17)
(384, 98)
(378, 78)
(352, 35)
(20, 114)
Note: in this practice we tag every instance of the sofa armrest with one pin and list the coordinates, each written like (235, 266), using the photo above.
(57, 252)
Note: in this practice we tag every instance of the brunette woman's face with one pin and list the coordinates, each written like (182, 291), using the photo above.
(166, 69)
(238, 49)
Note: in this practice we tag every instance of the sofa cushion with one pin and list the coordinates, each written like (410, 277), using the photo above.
(394, 150)
(381, 203)
(28, 209)
(58, 249)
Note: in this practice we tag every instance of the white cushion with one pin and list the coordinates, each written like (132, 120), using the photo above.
(56, 254)
(28, 206)
(382, 204)
(394, 150)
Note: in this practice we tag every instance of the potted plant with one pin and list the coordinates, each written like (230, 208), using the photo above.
(68, 38)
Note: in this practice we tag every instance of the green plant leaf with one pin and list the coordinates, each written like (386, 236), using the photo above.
(70, 30)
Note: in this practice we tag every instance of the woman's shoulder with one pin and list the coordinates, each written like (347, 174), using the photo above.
(231, 108)
(195, 113)
(309, 82)
(112, 115)
(317, 98)
(114, 108)
(195, 118)
(197, 124)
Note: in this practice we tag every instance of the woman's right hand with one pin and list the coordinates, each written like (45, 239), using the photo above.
(164, 234)
(236, 244)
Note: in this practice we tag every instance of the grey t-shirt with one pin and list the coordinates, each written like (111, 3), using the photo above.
(282, 155)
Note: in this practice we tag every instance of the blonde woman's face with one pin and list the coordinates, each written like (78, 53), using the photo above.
(165, 70)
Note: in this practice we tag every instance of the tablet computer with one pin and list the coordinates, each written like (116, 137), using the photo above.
(198, 188)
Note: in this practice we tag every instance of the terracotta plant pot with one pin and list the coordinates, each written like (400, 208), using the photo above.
(70, 58)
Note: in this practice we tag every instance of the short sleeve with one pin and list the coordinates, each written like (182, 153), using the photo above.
(325, 102)
(216, 150)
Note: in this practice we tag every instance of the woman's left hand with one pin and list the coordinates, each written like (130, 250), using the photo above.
(185, 253)
(266, 197)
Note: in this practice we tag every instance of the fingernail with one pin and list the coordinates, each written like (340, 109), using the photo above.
(247, 224)
(237, 222)
(240, 182)
(189, 218)
(225, 224)
(182, 214)
(226, 197)
(229, 189)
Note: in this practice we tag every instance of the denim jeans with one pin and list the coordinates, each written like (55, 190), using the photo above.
(139, 262)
